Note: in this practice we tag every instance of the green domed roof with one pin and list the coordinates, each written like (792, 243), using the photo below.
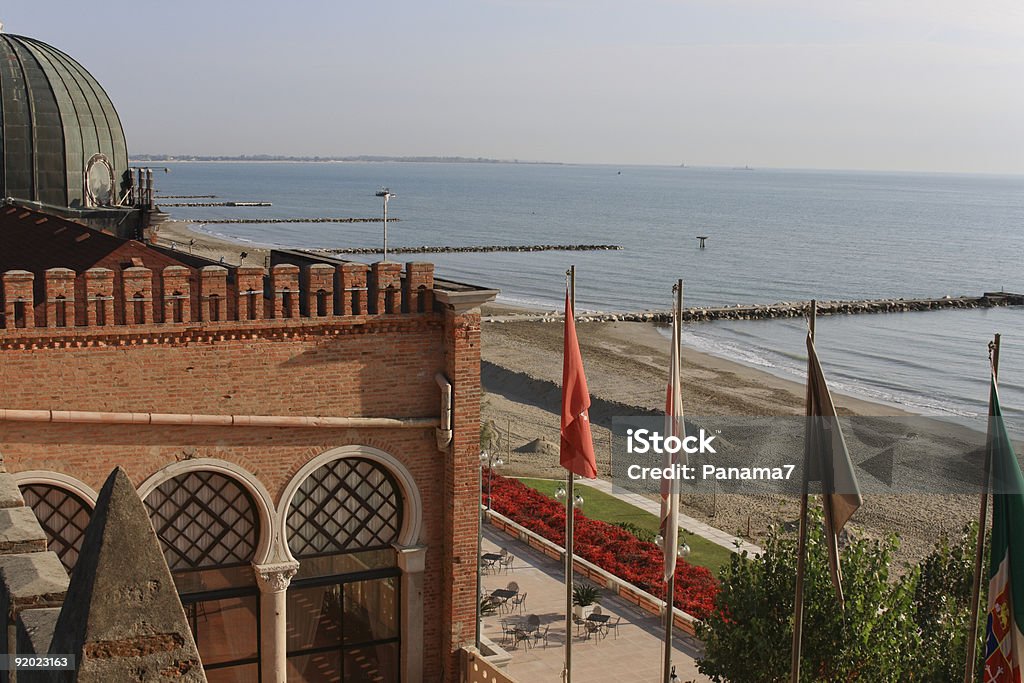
(61, 141)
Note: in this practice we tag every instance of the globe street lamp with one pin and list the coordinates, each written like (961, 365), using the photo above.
(489, 461)
(682, 552)
(577, 501)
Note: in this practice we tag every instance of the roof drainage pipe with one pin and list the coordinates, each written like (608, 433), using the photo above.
(444, 430)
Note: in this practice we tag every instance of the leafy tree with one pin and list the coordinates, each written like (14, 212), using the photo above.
(942, 597)
(749, 634)
(909, 628)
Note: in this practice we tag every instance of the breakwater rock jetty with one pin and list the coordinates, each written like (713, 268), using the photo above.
(215, 204)
(207, 221)
(784, 309)
(473, 249)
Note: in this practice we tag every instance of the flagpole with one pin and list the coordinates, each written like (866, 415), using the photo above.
(979, 550)
(569, 500)
(798, 599)
(670, 590)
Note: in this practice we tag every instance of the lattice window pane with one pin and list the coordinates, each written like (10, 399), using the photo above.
(204, 519)
(347, 505)
(63, 516)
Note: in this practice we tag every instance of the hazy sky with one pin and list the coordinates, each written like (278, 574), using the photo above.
(872, 84)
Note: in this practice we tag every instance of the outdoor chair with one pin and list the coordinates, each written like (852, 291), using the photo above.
(508, 630)
(506, 562)
(522, 635)
(512, 586)
(580, 623)
(532, 623)
(503, 605)
(518, 603)
(541, 635)
(614, 626)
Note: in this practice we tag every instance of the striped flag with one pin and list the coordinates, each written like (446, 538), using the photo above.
(829, 462)
(670, 487)
(1004, 640)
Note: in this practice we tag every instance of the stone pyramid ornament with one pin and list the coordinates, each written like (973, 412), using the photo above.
(122, 619)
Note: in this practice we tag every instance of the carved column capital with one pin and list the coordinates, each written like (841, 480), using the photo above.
(275, 578)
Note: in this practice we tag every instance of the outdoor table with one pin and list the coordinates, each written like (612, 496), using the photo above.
(599, 622)
(489, 559)
(502, 595)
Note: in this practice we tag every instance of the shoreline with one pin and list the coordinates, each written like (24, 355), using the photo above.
(626, 365)
(644, 334)
(648, 336)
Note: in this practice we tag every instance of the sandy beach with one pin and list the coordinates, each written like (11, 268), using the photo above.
(626, 366)
(181, 235)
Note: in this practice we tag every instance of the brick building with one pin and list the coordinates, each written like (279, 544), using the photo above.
(305, 436)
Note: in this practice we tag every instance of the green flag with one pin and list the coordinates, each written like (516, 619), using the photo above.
(1003, 640)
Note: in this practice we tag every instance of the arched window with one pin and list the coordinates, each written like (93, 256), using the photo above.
(204, 519)
(208, 525)
(348, 505)
(343, 605)
(63, 514)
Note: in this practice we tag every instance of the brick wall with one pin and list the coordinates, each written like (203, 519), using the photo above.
(461, 483)
(350, 366)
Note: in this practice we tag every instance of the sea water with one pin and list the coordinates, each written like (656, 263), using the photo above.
(773, 235)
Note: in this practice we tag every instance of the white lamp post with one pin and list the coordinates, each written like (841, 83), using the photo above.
(386, 194)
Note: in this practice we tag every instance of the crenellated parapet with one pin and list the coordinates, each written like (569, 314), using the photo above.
(179, 295)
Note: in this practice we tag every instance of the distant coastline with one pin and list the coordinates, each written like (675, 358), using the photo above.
(365, 158)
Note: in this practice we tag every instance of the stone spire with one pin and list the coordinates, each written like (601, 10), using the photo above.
(122, 619)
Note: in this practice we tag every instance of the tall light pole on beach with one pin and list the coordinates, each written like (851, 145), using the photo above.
(386, 194)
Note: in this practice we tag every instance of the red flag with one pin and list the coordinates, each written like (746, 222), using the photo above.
(577, 447)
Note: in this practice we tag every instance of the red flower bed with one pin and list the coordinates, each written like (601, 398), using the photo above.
(609, 547)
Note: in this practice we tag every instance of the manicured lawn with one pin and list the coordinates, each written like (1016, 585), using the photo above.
(607, 508)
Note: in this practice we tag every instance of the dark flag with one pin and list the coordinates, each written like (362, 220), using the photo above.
(828, 461)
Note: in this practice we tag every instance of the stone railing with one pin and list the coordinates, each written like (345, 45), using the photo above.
(476, 669)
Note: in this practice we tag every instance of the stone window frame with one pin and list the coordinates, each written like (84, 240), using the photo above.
(412, 502)
(58, 480)
(265, 511)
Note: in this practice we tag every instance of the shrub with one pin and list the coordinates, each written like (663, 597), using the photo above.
(608, 546)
